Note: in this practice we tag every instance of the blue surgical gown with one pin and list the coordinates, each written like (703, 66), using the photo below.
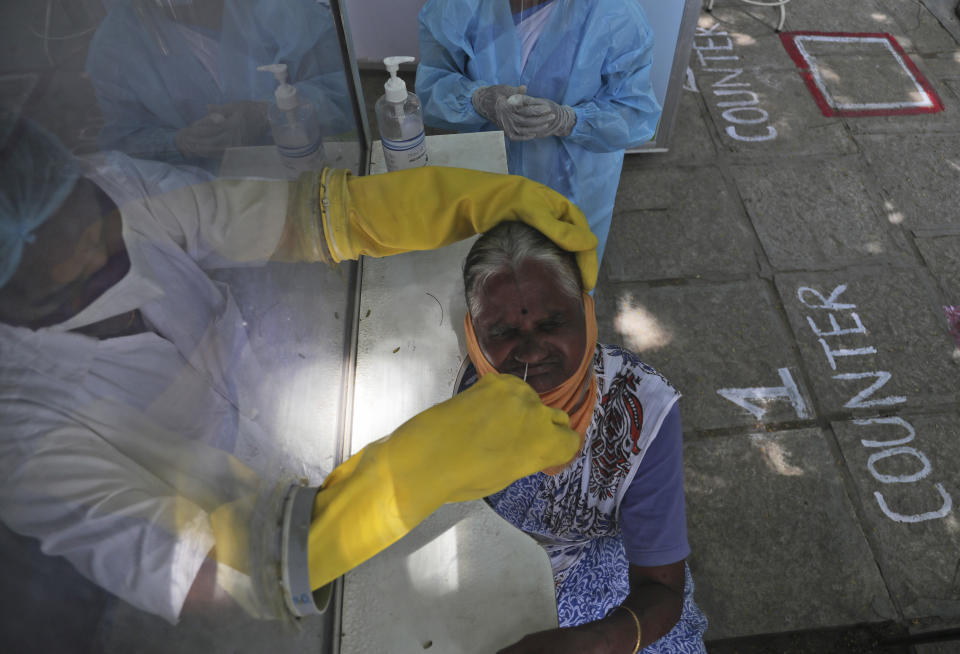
(593, 56)
(153, 76)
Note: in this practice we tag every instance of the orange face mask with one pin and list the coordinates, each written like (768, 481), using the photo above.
(576, 396)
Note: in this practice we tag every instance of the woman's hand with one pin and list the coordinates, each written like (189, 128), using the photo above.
(656, 597)
(577, 640)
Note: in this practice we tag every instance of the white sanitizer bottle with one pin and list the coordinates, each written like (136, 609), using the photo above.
(400, 119)
(295, 125)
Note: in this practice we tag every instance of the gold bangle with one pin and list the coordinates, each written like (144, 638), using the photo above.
(636, 648)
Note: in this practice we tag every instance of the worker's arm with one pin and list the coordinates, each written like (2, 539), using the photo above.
(443, 85)
(462, 449)
(138, 126)
(153, 517)
(430, 207)
(624, 112)
(656, 599)
(99, 504)
(333, 216)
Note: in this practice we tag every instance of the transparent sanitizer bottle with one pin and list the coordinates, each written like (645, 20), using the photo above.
(295, 125)
(400, 119)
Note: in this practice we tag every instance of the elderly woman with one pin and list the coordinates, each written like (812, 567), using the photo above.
(612, 518)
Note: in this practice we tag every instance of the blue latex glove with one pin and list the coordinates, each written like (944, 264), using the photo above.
(525, 117)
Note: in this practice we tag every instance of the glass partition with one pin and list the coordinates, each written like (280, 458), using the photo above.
(169, 363)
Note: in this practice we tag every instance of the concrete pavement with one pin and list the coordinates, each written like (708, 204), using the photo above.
(786, 265)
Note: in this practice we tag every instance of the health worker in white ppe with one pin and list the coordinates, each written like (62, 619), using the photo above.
(568, 82)
(130, 441)
(177, 80)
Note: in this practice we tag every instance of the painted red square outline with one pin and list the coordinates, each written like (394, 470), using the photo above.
(789, 43)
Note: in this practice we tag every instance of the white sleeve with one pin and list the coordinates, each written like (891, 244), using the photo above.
(219, 222)
(115, 522)
(225, 222)
(127, 503)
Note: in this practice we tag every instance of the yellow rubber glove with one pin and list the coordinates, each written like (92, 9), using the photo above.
(463, 449)
(429, 207)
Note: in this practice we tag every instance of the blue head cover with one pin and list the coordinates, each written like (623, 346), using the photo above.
(38, 175)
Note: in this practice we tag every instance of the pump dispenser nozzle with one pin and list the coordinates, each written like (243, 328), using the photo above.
(286, 94)
(396, 88)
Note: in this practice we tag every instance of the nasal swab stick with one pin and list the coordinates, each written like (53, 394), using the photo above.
(525, 366)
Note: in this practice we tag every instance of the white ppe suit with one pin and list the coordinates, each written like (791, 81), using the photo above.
(114, 452)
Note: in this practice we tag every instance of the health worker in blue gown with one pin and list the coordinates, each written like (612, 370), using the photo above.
(568, 81)
(177, 81)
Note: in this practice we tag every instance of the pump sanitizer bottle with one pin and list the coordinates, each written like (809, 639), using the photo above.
(295, 125)
(400, 119)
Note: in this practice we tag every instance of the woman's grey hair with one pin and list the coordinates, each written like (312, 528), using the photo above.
(505, 248)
